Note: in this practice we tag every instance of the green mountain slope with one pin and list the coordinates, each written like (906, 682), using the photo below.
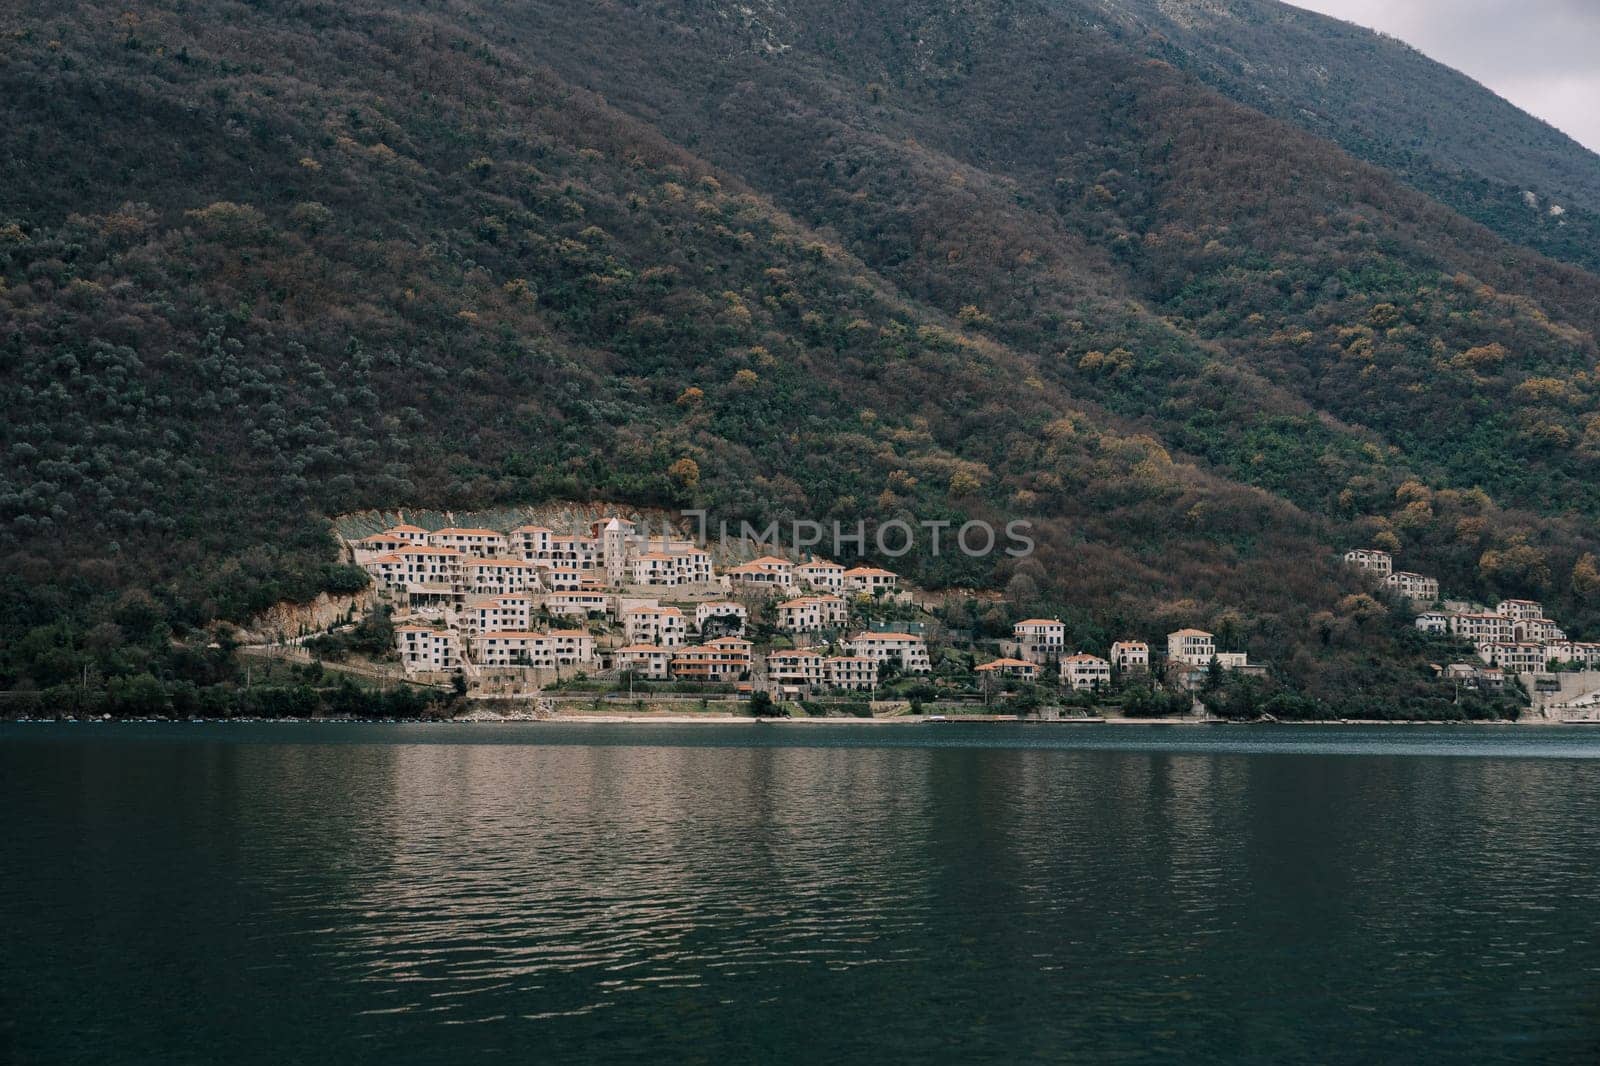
(267, 263)
(1384, 102)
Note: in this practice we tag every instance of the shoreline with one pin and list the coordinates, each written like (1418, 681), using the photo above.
(711, 719)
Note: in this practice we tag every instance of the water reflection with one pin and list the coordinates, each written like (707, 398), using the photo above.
(411, 900)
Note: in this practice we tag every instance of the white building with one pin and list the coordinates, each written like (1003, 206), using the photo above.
(1537, 631)
(852, 673)
(820, 575)
(558, 647)
(671, 569)
(1416, 587)
(870, 580)
(644, 660)
(1082, 672)
(1373, 560)
(1130, 655)
(1513, 657)
(424, 649)
(723, 659)
(1433, 622)
(903, 648)
(575, 604)
(1520, 609)
(808, 614)
(1482, 627)
(1014, 669)
(796, 670)
(480, 543)
(491, 577)
(530, 542)
(1041, 640)
(654, 625)
(732, 616)
(1193, 646)
(500, 612)
(767, 572)
(420, 570)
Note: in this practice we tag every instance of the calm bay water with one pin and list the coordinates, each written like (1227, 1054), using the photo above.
(928, 893)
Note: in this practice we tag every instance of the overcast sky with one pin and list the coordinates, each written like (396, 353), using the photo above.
(1542, 55)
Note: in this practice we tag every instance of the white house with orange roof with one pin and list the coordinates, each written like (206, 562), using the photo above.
(481, 543)
(558, 647)
(1130, 656)
(654, 625)
(723, 659)
(1537, 631)
(1084, 672)
(1373, 560)
(820, 575)
(649, 661)
(1014, 669)
(1040, 640)
(1483, 626)
(530, 541)
(497, 576)
(767, 572)
(513, 612)
(796, 670)
(1193, 646)
(1417, 587)
(1514, 657)
(392, 539)
(575, 603)
(808, 614)
(870, 580)
(905, 649)
(420, 570)
(574, 551)
(730, 615)
(669, 569)
(1520, 609)
(559, 576)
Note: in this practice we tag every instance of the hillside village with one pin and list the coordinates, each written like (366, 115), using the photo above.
(528, 610)
(1512, 639)
(516, 611)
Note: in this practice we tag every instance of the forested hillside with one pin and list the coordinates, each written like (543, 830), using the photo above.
(1384, 102)
(265, 263)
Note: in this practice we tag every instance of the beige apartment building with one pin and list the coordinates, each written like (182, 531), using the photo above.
(1041, 640)
(424, 649)
(558, 647)
(662, 626)
(907, 650)
(808, 614)
(723, 659)
(870, 580)
(1416, 587)
(501, 612)
(1083, 672)
(734, 615)
(820, 575)
(796, 670)
(1373, 560)
(480, 543)
(647, 661)
(1013, 669)
(1130, 655)
(853, 673)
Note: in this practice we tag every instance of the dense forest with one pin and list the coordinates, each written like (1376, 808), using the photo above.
(265, 263)
(1383, 102)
